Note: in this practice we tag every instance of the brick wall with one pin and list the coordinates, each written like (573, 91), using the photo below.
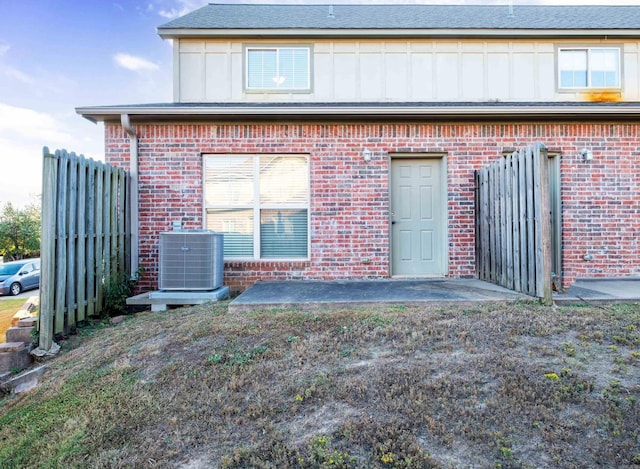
(349, 198)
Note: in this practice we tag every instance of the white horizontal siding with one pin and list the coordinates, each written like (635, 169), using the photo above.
(394, 71)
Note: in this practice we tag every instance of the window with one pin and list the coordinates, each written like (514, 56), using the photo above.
(593, 67)
(260, 203)
(278, 68)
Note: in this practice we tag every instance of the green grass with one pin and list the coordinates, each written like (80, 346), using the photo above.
(57, 428)
(497, 386)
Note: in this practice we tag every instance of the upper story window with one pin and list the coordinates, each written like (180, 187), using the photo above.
(278, 68)
(589, 67)
(260, 203)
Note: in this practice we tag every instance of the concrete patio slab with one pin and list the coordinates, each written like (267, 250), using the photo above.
(601, 291)
(311, 294)
(161, 300)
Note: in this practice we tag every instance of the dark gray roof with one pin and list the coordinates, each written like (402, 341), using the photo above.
(414, 16)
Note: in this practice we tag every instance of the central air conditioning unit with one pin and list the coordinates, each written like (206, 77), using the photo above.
(191, 260)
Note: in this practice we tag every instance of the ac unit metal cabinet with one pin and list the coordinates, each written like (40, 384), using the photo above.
(191, 260)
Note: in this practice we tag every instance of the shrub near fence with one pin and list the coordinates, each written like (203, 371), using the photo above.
(85, 239)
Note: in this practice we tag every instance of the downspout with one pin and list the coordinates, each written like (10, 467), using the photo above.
(133, 190)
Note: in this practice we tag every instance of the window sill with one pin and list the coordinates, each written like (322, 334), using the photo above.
(597, 95)
(267, 261)
(590, 90)
(280, 91)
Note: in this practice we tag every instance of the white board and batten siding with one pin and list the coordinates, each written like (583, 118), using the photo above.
(396, 71)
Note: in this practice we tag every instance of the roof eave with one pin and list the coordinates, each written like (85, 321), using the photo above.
(529, 111)
(171, 33)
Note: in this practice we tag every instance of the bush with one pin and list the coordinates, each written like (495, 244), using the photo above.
(119, 288)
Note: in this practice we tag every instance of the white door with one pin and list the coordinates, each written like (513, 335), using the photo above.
(418, 218)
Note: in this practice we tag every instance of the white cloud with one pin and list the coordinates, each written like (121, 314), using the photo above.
(18, 122)
(19, 75)
(170, 14)
(21, 175)
(136, 64)
(182, 7)
(171, 9)
(23, 133)
(4, 48)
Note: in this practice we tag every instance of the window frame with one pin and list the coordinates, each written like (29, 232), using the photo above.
(257, 206)
(277, 47)
(588, 49)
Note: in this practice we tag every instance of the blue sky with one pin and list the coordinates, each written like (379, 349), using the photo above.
(56, 55)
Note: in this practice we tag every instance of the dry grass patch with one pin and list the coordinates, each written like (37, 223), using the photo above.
(8, 308)
(498, 385)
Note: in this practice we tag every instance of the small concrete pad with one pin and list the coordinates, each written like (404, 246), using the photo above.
(310, 294)
(160, 300)
(601, 291)
(22, 382)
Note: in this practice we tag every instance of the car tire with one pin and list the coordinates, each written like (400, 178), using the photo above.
(15, 288)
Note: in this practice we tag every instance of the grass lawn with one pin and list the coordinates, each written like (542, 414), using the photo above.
(492, 386)
(7, 309)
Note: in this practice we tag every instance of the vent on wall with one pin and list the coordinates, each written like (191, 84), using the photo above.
(191, 260)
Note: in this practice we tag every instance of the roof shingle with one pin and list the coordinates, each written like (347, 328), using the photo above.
(414, 16)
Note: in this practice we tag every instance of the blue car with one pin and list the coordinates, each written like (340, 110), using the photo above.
(18, 276)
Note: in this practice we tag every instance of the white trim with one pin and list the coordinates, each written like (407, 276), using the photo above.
(588, 49)
(397, 33)
(444, 196)
(176, 69)
(277, 48)
(569, 110)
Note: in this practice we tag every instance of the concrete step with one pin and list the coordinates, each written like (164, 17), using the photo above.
(11, 347)
(15, 356)
(20, 334)
(27, 322)
(26, 311)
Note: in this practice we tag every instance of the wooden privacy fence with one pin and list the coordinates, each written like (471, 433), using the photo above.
(85, 239)
(513, 225)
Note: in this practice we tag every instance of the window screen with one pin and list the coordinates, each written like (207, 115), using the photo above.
(278, 68)
(260, 203)
(589, 68)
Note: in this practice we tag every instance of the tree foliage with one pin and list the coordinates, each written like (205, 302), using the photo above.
(19, 232)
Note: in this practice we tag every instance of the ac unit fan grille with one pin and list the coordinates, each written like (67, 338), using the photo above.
(191, 260)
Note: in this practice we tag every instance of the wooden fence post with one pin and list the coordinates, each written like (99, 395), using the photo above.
(61, 240)
(92, 306)
(72, 266)
(81, 269)
(543, 215)
(47, 255)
